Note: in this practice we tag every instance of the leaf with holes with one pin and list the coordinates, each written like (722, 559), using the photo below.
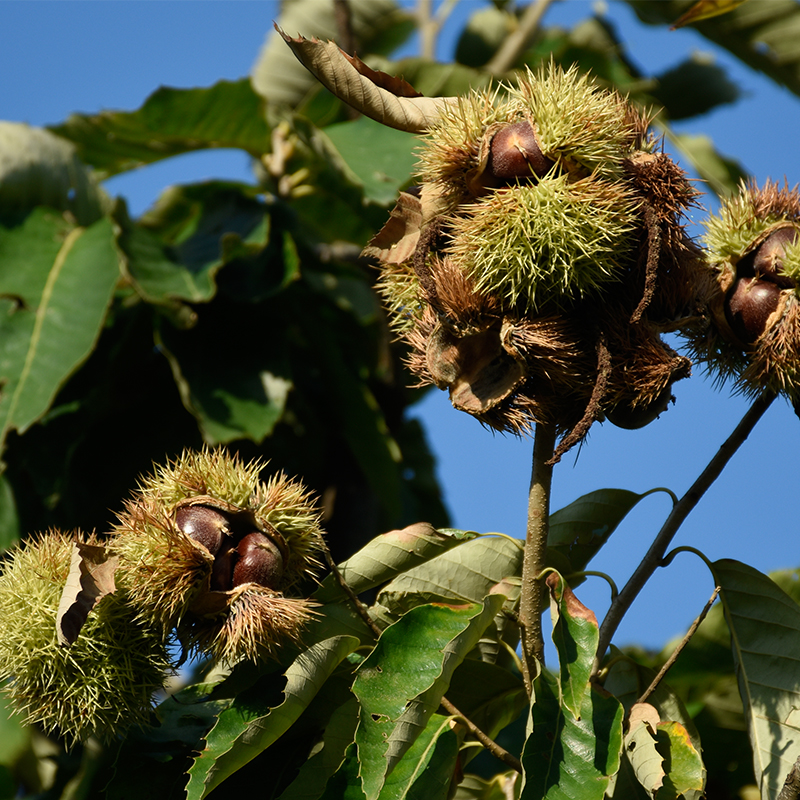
(402, 681)
(566, 758)
(56, 283)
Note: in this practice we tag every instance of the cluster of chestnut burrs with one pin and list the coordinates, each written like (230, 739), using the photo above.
(204, 554)
(542, 254)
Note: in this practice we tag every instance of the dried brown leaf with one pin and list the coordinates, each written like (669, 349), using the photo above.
(90, 579)
(372, 93)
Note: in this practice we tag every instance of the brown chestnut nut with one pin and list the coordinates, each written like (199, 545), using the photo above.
(259, 562)
(749, 306)
(624, 416)
(768, 260)
(224, 566)
(515, 153)
(203, 524)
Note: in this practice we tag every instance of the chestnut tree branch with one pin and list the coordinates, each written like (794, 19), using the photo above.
(533, 560)
(511, 49)
(653, 558)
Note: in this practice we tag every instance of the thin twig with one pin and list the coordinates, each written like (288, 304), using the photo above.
(429, 25)
(653, 557)
(345, 587)
(677, 651)
(512, 48)
(491, 745)
(533, 560)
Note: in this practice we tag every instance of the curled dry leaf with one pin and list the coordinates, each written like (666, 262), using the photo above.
(390, 101)
(645, 713)
(90, 579)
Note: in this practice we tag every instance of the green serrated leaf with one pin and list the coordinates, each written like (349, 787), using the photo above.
(685, 774)
(390, 554)
(426, 770)
(566, 758)
(580, 529)
(765, 639)
(382, 158)
(694, 87)
(247, 727)
(402, 681)
(171, 121)
(56, 283)
(575, 635)
(328, 756)
(466, 573)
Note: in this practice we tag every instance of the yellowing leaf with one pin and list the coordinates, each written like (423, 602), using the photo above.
(705, 9)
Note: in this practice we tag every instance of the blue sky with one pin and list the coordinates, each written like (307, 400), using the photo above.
(62, 57)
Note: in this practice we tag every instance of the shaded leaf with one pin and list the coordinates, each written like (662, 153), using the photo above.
(175, 250)
(341, 76)
(346, 783)
(390, 554)
(247, 727)
(566, 758)
(401, 682)
(694, 87)
(90, 579)
(426, 770)
(329, 755)
(765, 638)
(490, 695)
(481, 37)
(500, 787)
(170, 122)
(575, 635)
(382, 158)
(765, 36)
(56, 283)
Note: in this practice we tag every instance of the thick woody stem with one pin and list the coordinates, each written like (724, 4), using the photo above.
(533, 561)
